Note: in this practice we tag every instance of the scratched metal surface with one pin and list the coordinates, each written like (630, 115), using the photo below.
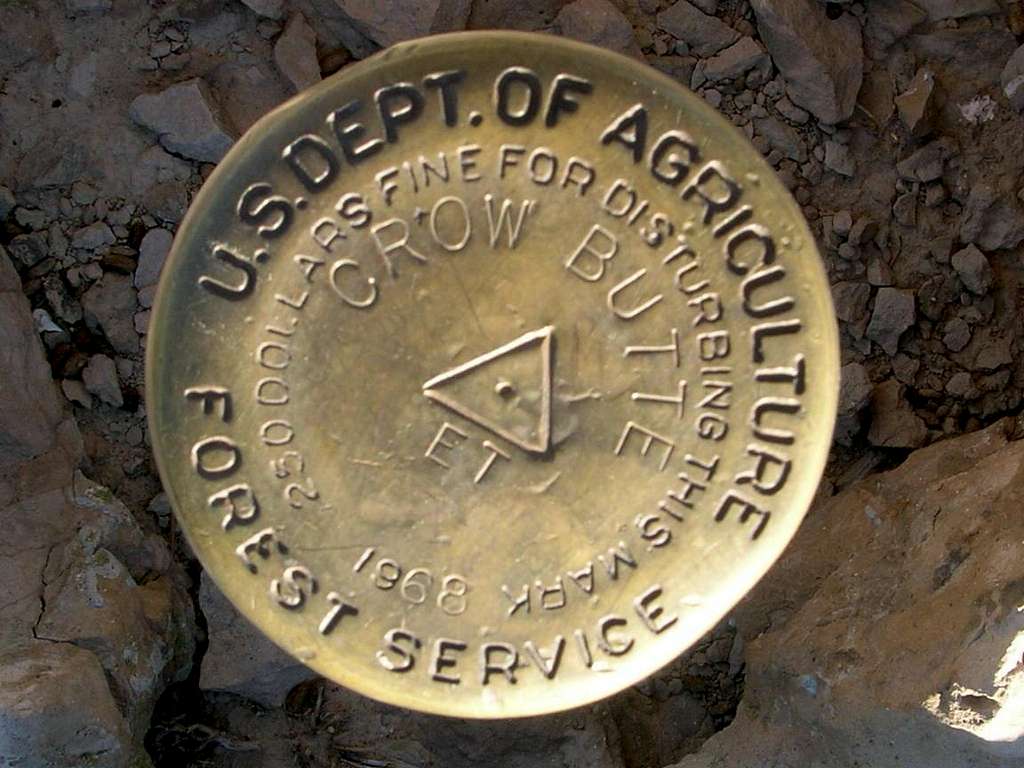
(488, 374)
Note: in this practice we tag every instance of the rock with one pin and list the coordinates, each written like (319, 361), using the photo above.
(76, 392)
(854, 393)
(961, 385)
(7, 202)
(153, 250)
(792, 112)
(782, 137)
(240, 659)
(991, 219)
(100, 377)
(935, 295)
(820, 58)
(916, 105)
(56, 710)
(842, 222)
(387, 22)
(93, 237)
(705, 35)
(890, 21)
(1013, 79)
(927, 163)
(838, 158)
(29, 249)
(109, 306)
(851, 301)
(956, 335)
(600, 23)
(738, 59)
(974, 270)
(893, 314)
(186, 120)
(938, 10)
(77, 7)
(514, 14)
(904, 210)
(295, 53)
(988, 350)
(887, 633)
(142, 634)
(271, 9)
(29, 405)
(893, 422)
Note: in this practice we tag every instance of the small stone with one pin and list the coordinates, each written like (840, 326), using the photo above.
(100, 377)
(31, 218)
(820, 58)
(1013, 79)
(146, 296)
(7, 202)
(93, 237)
(894, 424)
(927, 163)
(863, 231)
(271, 9)
(83, 194)
(77, 7)
(842, 223)
(56, 709)
(75, 391)
(991, 219)
(153, 250)
(268, 29)
(854, 393)
(175, 62)
(713, 97)
(44, 323)
(738, 59)
(974, 270)
(956, 335)
(705, 34)
(792, 112)
(894, 313)
(935, 194)
(600, 23)
(782, 137)
(160, 508)
(387, 22)
(905, 368)
(186, 120)
(159, 49)
(879, 272)
(916, 105)
(109, 306)
(935, 295)
(851, 301)
(295, 53)
(904, 210)
(28, 249)
(961, 385)
(838, 158)
(142, 322)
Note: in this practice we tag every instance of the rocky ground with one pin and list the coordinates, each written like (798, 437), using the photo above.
(889, 635)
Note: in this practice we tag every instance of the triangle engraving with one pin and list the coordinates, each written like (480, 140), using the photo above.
(506, 391)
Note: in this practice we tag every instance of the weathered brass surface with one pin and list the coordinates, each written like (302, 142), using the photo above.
(486, 376)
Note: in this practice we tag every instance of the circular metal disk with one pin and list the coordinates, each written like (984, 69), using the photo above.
(487, 375)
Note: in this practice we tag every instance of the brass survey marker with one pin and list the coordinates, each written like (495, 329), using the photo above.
(487, 375)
